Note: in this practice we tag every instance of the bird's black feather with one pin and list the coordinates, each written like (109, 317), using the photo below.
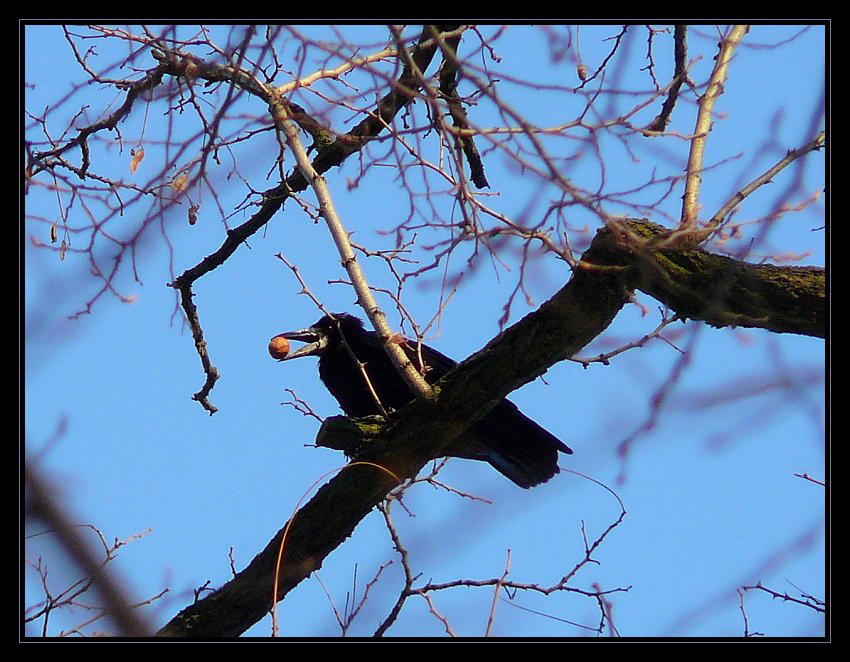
(511, 442)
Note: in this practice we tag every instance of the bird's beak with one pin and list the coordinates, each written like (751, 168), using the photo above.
(315, 339)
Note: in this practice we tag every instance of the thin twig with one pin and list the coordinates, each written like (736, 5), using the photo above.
(766, 178)
(806, 476)
(605, 358)
(42, 506)
(496, 590)
(806, 601)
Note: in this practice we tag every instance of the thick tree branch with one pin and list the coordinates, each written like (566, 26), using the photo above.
(716, 289)
(693, 283)
(693, 180)
(411, 437)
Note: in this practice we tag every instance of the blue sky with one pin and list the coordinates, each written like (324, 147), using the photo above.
(710, 493)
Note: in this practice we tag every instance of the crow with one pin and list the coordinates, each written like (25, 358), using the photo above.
(512, 443)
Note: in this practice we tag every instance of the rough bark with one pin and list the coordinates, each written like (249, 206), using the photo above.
(719, 290)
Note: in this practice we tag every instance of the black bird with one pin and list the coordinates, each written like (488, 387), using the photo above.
(510, 441)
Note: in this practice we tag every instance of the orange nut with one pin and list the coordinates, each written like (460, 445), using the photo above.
(279, 347)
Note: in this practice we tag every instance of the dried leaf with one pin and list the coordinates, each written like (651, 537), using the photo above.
(179, 183)
(137, 159)
(581, 71)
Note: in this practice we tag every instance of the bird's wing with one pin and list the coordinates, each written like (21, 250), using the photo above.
(437, 364)
(511, 442)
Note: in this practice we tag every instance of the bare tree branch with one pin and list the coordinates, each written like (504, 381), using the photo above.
(690, 201)
(408, 371)
(793, 154)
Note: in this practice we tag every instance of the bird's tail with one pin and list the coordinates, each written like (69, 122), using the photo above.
(514, 445)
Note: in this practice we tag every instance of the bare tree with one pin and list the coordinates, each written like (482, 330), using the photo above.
(223, 128)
